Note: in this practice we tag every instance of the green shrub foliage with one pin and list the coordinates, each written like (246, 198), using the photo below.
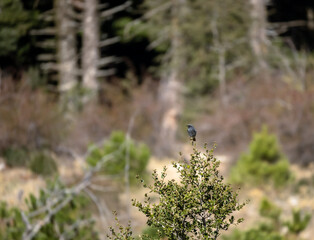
(264, 163)
(261, 232)
(15, 157)
(271, 229)
(71, 222)
(121, 148)
(43, 164)
(298, 222)
(269, 210)
(197, 206)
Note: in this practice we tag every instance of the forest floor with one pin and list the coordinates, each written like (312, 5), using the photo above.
(21, 182)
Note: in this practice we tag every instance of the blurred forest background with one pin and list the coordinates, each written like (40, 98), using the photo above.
(95, 92)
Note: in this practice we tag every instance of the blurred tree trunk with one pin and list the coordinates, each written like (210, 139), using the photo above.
(90, 54)
(66, 47)
(170, 90)
(258, 38)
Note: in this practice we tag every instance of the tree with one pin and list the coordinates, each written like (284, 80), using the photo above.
(66, 45)
(90, 54)
(15, 23)
(258, 38)
(264, 163)
(194, 53)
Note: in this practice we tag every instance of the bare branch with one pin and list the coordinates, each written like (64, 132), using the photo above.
(106, 73)
(45, 31)
(101, 188)
(156, 10)
(46, 44)
(78, 5)
(104, 61)
(77, 224)
(46, 57)
(112, 11)
(109, 41)
(99, 207)
(102, 6)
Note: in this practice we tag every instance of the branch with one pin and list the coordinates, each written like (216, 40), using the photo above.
(45, 31)
(99, 207)
(109, 41)
(77, 224)
(102, 6)
(47, 16)
(60, 201)
(46, 44)
(112, 11)
(46, 57)
(49, 66)
(106, 73)
(105, 61)
(127, 161)
(156, 10)
(78, 5)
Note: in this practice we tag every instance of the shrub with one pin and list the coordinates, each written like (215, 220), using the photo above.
(269, 210)
(262, 232)
(72, 222)
(121, 148)
(15, 157)
(272, 229)
(298, 222)
(43, 164)
(29, 118)
(197, 206)
(263, 163)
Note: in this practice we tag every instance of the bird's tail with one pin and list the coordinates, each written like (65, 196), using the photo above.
(194, 139)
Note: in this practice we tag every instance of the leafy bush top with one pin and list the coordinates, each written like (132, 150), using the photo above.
(199, 206)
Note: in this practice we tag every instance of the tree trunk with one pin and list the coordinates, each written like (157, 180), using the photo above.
(66, 47)
(90, 55)
(222, 76)
(258, 38)
(170, 90)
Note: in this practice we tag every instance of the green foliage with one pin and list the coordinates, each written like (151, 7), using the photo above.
(298, 222)
(15, 22)
(15, 157)
(121, 148)
(199, 206)
(272, 229)
(152, 233)
(43, 164)
(71, 221)
(269, 210)
(264, 163)
(262, 232)
(123, 233)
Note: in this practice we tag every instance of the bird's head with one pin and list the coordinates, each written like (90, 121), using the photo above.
(189, 125)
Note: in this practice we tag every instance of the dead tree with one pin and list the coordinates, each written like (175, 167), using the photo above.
(90, 52)
(66, 45)
(258, 37)
(170, 89)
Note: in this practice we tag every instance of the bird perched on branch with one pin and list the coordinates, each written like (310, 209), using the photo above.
(192, 132)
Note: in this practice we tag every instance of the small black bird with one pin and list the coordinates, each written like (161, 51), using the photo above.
(192, 132)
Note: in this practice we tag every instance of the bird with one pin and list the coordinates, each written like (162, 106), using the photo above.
(191, 131)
